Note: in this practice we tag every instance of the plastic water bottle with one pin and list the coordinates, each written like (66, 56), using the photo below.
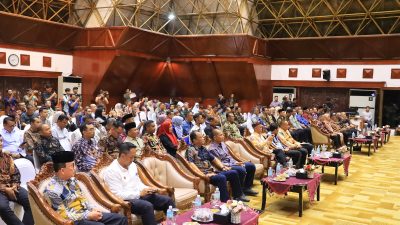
(290, 163)
(353, 135)
(312, 153)
(197, 202)
(215, 198)
(270, 172)
(278, 169)
(170, 216)
(318, 150)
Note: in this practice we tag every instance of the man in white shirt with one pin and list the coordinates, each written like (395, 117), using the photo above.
(123, 180)
(13, 140)
(367, 116)
(60, 132)
(199, 121)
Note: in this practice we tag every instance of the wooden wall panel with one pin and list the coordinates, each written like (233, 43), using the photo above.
(46, 61)
(3, 58)
(341, 73)
(25, 60)
(293, 72)
(395, 74)
(368, 73)
(316, 72)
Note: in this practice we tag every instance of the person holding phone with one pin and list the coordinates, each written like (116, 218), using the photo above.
(122, 178)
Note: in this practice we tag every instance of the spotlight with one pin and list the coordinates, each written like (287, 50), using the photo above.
(171, 16)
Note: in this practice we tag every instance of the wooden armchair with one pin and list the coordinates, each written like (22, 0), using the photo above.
(42, 212)
(268, 162)
(96, 174)
(319, 138)
(205, 188)
(241, 154)
(165, 170)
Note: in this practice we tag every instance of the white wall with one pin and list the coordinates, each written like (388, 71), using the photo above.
(59, 62)
(354, 73)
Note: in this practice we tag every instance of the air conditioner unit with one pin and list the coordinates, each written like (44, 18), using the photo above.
(69, 82)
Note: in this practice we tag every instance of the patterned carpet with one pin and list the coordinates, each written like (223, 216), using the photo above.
(369, 195)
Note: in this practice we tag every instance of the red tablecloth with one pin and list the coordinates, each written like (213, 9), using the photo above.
(346, 161)
(248, 217)
(374, 140)
(283, 187)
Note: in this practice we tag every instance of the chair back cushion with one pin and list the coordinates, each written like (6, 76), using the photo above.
(157, 169)
(26, 170)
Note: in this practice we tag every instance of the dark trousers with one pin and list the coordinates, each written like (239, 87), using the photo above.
(296, 157)
(280, 156)
(220, 180)
(336, 140)
(107, 219)
(145, 206)
(301, 157)
(8, 215)
(246, 174)
(308, 147)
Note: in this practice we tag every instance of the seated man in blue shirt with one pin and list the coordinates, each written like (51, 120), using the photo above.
(198, 155)
(246, 170)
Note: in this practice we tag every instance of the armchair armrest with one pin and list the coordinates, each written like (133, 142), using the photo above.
(150, 181)
(194, 180)
(107, 192)
(84, 178)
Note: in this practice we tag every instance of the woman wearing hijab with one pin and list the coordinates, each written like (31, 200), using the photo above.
(99, 116)
(177, 122)
(196, 108)
(167, 137)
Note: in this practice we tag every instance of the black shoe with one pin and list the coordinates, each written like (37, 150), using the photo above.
(250, 192)
(243, 198)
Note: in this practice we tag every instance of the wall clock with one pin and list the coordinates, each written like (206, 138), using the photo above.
(13, 59)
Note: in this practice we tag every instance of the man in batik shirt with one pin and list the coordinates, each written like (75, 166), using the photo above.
(86, 151)
(10, 190)
(48, 144)
(110, 143)
(66, 198)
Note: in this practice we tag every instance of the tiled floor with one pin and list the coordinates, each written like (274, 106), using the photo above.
(369, 195)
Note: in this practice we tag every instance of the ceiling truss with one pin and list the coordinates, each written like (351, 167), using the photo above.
(262, 18)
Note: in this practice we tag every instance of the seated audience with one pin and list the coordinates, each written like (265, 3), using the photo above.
(204, 161)
(60, 132)
(13, 140)
(212, 123)
(288, 142)
(31, 136)
(177, 127)
(188, 123)
(230, 128)
(295, 154)
(47, 145)
(86, 151)
(152, 140)
(132, 133)
(263, 144)
(66, 198)
(198, 123)
(109, 144)
(168, 138)
(275, 102)
(10, 190)
(44, 115)
(27, 116)
(245, 170)
(123, 180)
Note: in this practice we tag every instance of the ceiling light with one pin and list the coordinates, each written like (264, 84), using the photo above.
(171, 16)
